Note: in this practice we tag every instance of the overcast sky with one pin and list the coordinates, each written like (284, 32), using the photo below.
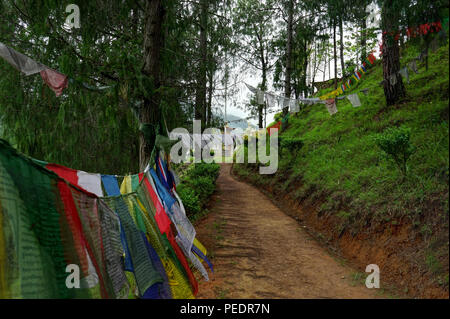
(241, 97)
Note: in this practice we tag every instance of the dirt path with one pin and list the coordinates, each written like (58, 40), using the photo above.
(260, 252)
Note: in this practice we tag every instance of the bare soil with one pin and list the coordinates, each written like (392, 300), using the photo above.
(260, 252)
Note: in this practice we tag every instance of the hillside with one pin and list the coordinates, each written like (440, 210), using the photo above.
(354, 199)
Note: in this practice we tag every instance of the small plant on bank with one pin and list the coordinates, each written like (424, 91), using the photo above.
(395, 142)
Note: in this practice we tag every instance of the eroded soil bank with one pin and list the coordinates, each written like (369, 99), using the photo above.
(399, 251)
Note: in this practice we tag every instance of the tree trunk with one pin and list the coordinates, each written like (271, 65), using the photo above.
(287, 79)
(210, 93)
(200, 96)
(341, 46)
(263, 87)
(265, 114)
(260, 115)
(305, 68)
(335, 54)
(325, 53)
(329, 64)
(314, 68)
(363, 42)
(391, 56)
(150, 115)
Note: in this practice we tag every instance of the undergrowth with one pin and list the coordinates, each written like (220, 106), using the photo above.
(339, 163)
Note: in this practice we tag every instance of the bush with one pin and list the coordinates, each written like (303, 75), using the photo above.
(204, 169)
(189, 198)
(204, 187)
(396, 144)
(197, 185)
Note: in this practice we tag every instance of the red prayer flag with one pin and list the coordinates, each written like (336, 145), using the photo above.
(66, 173)
(55, 80)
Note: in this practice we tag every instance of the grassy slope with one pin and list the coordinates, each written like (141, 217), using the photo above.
(341, 164)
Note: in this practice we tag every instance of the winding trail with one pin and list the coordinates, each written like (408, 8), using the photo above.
(260, 252)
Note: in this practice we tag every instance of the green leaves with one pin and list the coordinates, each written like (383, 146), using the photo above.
(396, 144)
(197, 186)
(292, 144)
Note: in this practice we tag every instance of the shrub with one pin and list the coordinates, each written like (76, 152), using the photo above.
(189, 198)
(396, 144)
(204, 169)
(203, 186)
(197, 185)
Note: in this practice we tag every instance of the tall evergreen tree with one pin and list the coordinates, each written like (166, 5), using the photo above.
(254, 24)
(393, 86)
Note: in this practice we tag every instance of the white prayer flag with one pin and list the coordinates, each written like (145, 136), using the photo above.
(354, 99)
(293, 106)
(90, 182)
(331, 106)
(251, 88)
(20, 61)
(404, 73)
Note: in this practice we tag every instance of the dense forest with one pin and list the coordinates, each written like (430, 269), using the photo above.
(368, 178)
(137, 68)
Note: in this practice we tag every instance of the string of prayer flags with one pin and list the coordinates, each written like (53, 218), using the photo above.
(413, 32)
(309, 101)
(54, 79)
(270, 98)
(424, 29)
(330, 98)
(355, 77)
(281, 101)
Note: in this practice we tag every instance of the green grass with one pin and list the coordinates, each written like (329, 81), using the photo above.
(198, 183)
(340, 156)
(341, 165)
